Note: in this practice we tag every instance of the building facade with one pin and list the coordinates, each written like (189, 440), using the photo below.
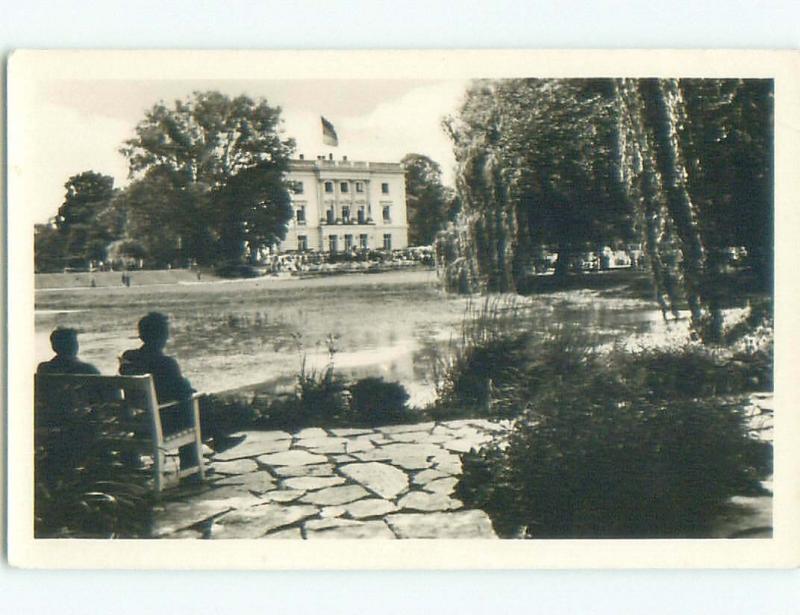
(341, 205)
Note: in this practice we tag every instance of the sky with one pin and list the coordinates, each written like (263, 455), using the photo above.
(81, 124)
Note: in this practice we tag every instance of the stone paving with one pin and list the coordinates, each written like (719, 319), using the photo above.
(388, 482)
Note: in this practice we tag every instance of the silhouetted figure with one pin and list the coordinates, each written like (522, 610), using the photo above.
(150, 359)
(169, 383)
(65, 344)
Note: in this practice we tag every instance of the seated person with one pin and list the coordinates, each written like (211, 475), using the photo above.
(169, 383)
(150, 359)
(65, 344)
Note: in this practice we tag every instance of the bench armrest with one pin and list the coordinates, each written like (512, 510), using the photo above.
(170, 404)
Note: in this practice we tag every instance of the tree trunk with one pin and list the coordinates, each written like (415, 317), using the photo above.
(641, 179)
(662, 104)
(562, 262)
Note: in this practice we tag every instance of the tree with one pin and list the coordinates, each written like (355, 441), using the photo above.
(48, 248)
(567, 164)
(86, 193)
(252, 211)
(427, 200)
(534, 170)
(728, 144)
(162, 218)
(84, 237)
(201, 146)
(699, 162)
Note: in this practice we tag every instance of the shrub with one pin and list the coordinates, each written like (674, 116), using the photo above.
(87, 480)
(603, 456)
(484, 361)
(235, 269)
(375, 402)
(500, 363)
(223, 415)
(695, 371)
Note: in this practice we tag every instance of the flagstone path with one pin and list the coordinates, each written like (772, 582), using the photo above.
(388, 482)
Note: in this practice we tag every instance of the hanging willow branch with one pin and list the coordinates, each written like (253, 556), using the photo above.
(564, 164)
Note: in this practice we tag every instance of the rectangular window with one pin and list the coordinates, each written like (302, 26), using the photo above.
(344, 187)
(345, 214)
(301, 214)
(331, 216)
(387, 241)
(328, 186)
(333, 243)
(387, 213)
(297, 187)
(302, 243)
(385, 188)
(362, 241)
(362, 215)
(348, 242)
(359, 187)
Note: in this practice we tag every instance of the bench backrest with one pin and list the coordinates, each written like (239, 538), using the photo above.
(57, 393)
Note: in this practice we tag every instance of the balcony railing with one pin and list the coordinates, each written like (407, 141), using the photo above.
(347, 222)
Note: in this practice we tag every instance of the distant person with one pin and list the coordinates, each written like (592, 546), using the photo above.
(65, 344)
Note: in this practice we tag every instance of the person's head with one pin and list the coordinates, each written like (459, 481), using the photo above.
(154, 329)
(64, 342)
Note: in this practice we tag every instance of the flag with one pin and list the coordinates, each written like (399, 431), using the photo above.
(329, 133)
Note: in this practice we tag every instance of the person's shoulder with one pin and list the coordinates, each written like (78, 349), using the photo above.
(130, 361)
(169, 362)
(45, 367)
(131, 352)
(87, 368)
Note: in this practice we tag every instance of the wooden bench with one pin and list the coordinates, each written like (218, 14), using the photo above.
(134, 397)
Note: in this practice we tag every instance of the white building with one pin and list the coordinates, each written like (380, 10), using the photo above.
(340, 205)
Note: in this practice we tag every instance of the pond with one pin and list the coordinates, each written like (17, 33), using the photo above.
(255, 334)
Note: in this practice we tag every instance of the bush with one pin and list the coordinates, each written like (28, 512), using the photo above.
(320, 400)
(605, 455)
(485, 360)
(87, 480)
(375, 402)
(234, 269)
(500, 363)
(220, 416)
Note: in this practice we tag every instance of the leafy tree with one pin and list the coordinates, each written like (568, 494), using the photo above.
(48, 248)
(252, 211)
(162, 218)
(84, 237)
(85, 192)
(202, 145)
(534, 168)
(728, 144)
(568, 164)
(427, 200)
(699, 164)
